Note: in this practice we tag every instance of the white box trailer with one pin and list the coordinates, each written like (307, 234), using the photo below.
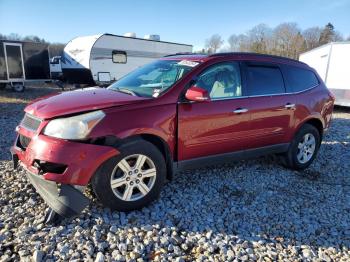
(332, 63)
(105, 58)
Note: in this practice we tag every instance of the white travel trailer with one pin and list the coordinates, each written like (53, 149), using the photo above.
(332, 63)
(103, 59)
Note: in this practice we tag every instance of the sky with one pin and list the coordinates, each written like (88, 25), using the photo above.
(183, 21)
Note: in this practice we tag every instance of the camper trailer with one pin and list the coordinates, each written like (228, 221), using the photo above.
(103, 59)
(21, 62)
(332, 63)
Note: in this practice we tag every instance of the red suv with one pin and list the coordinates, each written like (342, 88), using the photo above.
(181, 111)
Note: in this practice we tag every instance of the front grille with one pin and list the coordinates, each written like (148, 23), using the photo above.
(30, 122)
(23, 141)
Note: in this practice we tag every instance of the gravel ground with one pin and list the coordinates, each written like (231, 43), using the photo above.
(247, 211)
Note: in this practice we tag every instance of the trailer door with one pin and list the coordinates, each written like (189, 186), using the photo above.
(338, 77)
(14, 61)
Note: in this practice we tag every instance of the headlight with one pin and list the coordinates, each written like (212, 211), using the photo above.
(75, 127)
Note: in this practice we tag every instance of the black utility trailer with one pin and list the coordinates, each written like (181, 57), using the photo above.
(21, 62)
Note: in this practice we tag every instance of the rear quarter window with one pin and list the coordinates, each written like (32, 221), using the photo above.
(299, 79)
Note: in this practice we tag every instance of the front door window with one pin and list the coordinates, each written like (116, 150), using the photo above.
(222, 81)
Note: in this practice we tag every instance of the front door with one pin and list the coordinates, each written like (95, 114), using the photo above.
(220, 125)
(14, 61)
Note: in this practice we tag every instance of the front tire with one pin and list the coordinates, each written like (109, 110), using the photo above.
(303, 149)
(131, 180)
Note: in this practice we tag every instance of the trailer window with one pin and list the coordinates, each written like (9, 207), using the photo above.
(119, 57)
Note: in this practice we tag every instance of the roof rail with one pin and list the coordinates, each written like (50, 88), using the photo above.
(184, 53)
(255, 54)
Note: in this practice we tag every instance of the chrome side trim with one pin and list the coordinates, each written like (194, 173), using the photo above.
(279, 94)
(290, 106)
(240, 110)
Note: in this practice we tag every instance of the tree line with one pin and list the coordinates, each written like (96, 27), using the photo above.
(286, 39)
(55, 49)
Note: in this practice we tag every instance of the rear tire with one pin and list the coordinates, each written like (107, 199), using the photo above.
(131, 180)
(303, 149)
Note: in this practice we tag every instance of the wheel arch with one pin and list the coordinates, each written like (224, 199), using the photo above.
(163, 147)
(314, 121)
(158, 142)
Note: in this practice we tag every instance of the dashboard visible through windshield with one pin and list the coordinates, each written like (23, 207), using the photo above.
(153, 79)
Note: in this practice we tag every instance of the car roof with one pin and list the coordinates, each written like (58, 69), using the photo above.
(238, 55)
(186, 56)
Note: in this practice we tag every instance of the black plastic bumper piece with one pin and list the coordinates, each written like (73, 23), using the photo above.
(64, 200)
(14, 160)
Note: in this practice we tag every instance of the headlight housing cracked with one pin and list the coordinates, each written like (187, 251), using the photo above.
(75, 127)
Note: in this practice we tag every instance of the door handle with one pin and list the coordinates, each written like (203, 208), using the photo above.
(240, 110)
(290, 106)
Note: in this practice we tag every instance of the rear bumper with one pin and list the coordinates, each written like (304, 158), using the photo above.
(80, 161)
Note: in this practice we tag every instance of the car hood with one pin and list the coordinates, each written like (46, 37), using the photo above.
(79, 101)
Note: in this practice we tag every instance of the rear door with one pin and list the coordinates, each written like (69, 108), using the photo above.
(220, 125)
(14, 61)
(271, 107)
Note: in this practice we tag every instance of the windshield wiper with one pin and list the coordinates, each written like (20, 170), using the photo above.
(125, 91)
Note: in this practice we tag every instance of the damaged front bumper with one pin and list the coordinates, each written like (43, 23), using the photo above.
(59, 187)
(65, 200)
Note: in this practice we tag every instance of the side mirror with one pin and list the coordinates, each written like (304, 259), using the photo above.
(195, 93)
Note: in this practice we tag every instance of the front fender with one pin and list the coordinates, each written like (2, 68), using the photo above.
(157, 120)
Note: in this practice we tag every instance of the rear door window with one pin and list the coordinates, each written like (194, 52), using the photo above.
(299, 79)
(264, 79)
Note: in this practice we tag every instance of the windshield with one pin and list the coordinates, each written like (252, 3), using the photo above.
(153, 79)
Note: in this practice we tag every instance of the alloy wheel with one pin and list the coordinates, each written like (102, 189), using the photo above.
(133, 177)
(306, 148)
